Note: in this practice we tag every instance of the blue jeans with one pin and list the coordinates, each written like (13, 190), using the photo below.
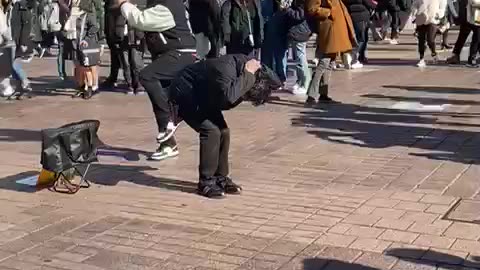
(274, 50)
(361, 34)
(61, 60)
(304, 75)
(17, 70)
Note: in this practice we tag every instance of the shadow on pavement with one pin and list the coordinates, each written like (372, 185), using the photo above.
(436, 89)
(408, 259)
(326, 264)
(434, 259)
(375, 127)
(423, 100)
(108, 175)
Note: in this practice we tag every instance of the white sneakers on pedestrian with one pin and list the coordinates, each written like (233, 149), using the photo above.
(357, 65)
(299, 90)
(421, 63)
(164, 136)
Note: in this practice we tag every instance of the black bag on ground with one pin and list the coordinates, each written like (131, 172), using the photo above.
(300, 32)
(70, 145)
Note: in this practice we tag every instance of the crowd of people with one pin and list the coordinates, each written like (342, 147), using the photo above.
(210, 55)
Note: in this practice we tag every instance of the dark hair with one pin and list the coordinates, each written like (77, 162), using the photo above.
(266, 81)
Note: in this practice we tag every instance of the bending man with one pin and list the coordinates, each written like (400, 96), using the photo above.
(201, 92)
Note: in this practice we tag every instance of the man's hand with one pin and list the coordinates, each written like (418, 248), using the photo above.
(83, 44)
(118, 3)
(252, 66)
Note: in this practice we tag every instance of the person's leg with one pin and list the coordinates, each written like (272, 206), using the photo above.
(323, 67)
(136, 64)
(94, 70)
(114, 64)
(214, 47)
(474, 45)
(280, 59)
(431, 33)
(165, 67)
(325, 80)
(362, 53)
(395, 24)
(61, 58)
(463, 34)
(303, 71)
(422, 36)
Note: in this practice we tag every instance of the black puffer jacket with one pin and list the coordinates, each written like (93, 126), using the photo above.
(359, 9)
(213, 84)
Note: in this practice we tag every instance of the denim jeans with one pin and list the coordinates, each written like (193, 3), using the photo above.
(304, 75)
(361, 34)
(61, 60)
(275, 49)
(17, 70)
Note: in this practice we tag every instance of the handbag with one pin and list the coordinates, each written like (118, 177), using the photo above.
(300, 32)
(87, 55)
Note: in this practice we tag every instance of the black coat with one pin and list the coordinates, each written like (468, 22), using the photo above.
(205, 17)
(235, 23)
(213, 85)
(359, 10)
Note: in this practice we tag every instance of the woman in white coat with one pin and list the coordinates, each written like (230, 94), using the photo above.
(427, 14)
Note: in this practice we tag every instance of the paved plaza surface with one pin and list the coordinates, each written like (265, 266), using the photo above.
(386, 179)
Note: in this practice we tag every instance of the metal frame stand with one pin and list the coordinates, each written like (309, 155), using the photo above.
(71, 188)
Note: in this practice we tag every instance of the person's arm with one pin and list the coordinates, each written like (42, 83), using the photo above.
(154, 19)
(314, 8)
(225, 21)
(296, 14)
(224, 78)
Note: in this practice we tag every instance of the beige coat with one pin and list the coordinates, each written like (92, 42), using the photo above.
(335, 32)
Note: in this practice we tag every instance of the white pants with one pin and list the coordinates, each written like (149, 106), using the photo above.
(202, 45)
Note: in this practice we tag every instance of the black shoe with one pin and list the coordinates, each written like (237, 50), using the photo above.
(325, 99)
(210, 189)
(108, 84)
(472, 63)
(446, 46)
(310, 102)
(453, 60)
(228, 185)
(88, 94)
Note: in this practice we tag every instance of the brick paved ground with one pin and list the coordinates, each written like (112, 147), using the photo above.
(358, 185)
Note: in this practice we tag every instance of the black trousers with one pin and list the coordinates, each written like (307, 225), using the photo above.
(213, 132)
(426, 33)
(465, 29)
(156, 78)
(128, 58)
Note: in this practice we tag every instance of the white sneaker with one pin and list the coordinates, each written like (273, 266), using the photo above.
(315, 61)
(163, 136)
(300, 91)
(394, 41)
(421, 63)
(357, 65)
(295, 88)
(164, 152)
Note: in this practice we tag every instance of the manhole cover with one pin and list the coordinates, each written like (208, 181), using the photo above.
(464, 211)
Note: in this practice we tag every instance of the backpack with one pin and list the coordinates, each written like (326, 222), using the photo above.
(300, 32)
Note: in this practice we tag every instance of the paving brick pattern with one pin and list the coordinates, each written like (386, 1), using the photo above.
(357, 185)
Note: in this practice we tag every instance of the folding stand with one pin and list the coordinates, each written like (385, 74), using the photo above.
(65, 181)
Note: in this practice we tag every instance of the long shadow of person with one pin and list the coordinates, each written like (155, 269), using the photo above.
(327, 264)
(434, 258)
